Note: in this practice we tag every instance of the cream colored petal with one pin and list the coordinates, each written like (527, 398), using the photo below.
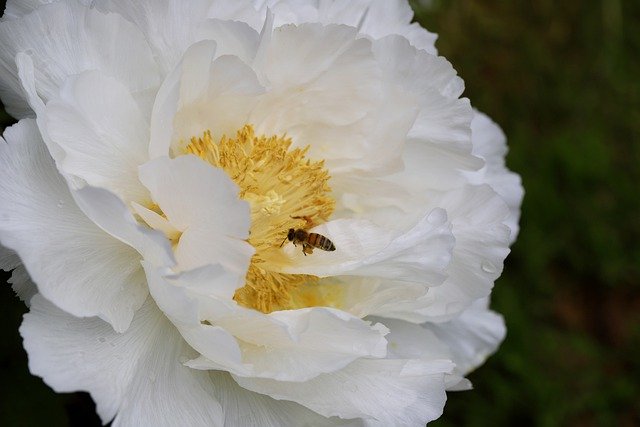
(418, 254)
(77, 265)
(169, 26)
(102, 133)
(136, 376)
(65, 38)
(203, 204)
(383, 392)
(203, 93)
(471, 337)
(20, 281)
(290, 345)
(489, 143)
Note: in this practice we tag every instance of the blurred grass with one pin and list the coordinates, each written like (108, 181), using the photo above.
(561, 78)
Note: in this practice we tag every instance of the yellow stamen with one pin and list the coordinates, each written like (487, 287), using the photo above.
(279, 183)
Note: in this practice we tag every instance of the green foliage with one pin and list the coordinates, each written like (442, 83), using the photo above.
(561, 78)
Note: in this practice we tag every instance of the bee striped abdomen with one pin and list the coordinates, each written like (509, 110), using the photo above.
(319, 241)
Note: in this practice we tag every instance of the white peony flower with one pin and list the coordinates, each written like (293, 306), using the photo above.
(165, 148)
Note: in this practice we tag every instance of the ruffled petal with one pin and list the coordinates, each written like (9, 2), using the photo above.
(489, 143)
(471, 337)
(108, 212)
(372, 296)
(204, 92)
(411, 341)
(65, 38)
(482, 243)
(247, 409)
(202, 202)
(137, 376)
(102, 133)
(302, 66)
(419, 254)
(384, 392)
(16, 8)
(169, 26)
(216, 94)
(76, 265)
(20, 281)
(385, 17)
(373, 18)
(241, 10)
(439, 143)
(289, 345)
(476, 216)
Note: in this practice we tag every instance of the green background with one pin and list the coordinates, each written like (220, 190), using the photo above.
(561, 78)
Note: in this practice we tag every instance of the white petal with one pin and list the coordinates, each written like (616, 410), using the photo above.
(388, 392)
(471, 337)
(137, 375)
(482, 244)
(102, 132)
(227, 90)
(411, 341)
(371, 296)
(8, 259)
(108, 212)
(476, 215)
(169, 26)
(22, 284)
(232, 38)
(419, 254)
(202, 93)
(291, 345)
(156, 221)
(203, 203)
(394, 17)
(17, 8)
(373, 18)
(20, 281)
(442, 127)
(489, 142)
(76, 265)
(247, 409)
(65, 38)
(304, 68)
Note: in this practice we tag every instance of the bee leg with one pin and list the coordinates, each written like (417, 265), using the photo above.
(307, 249)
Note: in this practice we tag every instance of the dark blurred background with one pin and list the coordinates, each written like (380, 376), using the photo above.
(561, 78)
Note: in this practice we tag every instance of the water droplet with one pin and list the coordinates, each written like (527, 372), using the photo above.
(102, 339)
(488, 267)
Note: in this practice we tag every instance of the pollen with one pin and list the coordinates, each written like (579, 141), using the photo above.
(285, 190)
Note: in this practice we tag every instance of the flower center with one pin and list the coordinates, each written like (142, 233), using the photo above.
(285, 190)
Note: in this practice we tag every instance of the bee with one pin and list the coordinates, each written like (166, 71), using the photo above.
(308, 240)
